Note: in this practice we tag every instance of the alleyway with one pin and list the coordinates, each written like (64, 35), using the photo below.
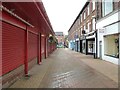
(66, 69)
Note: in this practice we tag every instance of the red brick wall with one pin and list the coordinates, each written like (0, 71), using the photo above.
(59, 39)
(15, 74)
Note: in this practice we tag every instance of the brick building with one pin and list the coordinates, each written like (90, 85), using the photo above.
(25, 38)
(74, 34)
(108, 22)
(60, 38)
(82, 33)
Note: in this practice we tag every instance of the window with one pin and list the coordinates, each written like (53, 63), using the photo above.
(111, 45)
(93, 24)
(79, 22)
(84, 15)
(81, 17)
(84, 27)
(91, 46)
(107, 7)
(93, 3)
(88, 9)
(88, 27)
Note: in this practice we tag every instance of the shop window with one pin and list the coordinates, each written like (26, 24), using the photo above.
(111, 45)
(83, 46)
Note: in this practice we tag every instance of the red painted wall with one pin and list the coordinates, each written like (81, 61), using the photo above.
(13, 50)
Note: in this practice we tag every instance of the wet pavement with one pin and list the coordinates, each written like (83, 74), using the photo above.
(65, 70)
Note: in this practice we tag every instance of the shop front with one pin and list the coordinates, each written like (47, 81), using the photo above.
(83, 44)
(72, 44)
(77, 45)
(108, 43)
(90, 46)
(91, 43)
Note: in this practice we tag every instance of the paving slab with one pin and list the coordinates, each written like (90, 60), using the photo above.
(68, 69)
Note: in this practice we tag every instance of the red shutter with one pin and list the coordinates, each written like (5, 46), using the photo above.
(13, 47)
(32, 46)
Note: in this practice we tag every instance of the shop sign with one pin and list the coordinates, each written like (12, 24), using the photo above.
(101, 30)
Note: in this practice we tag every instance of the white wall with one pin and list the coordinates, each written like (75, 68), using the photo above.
(108, 30)
(108, 20)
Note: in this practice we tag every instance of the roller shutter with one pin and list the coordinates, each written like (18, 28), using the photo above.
(13, 50)
(32, 46)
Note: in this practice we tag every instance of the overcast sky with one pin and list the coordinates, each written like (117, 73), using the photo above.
(62, 13)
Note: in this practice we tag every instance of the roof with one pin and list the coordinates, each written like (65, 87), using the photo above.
(33, 12)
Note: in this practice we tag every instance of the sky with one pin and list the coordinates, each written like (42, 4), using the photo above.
(62, 13)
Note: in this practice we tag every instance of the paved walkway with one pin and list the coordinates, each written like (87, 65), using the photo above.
(69, 69)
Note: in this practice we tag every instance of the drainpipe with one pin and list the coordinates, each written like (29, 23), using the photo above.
(96, 43)
(26, 53)
(96, 39)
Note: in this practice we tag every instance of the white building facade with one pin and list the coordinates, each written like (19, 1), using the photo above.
(108, 29)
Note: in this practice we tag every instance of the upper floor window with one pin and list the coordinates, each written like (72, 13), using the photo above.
(81, 17)
(88, 27)
(79, 21)
(88, 10)
(107, 7)
(84, 15)
(93, 4)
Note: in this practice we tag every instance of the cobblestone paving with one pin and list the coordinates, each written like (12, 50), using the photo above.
(63, 69)
(66, 71)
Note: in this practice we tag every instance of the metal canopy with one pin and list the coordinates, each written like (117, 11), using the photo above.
(32, 12)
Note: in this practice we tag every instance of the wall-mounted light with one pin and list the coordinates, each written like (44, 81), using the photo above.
(50, 35)
(42, 35)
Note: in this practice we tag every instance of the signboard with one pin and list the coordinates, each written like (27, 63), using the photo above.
(102, 30)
